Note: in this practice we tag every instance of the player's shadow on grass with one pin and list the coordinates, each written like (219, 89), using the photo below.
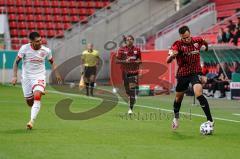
(176, 135)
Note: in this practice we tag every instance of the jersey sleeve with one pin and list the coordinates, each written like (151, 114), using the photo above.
(97, 54)
(174, 46)
(139, 54)
(21, 52)
(120, 54)
(200, 41)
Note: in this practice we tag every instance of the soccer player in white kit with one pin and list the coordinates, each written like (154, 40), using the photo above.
(33, 80)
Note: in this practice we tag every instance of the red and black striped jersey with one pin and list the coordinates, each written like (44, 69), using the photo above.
(134, 54)
(188, 57)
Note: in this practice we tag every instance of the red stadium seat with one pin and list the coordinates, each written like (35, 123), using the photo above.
(11, 10)
(91, 11)
(20, 3)
(51, 33)
(75, 19)
(30, 10)
(24, 41)
(81, 4)
(48, 10)
(2, 2)
(59, 26)
(20, 10)
(30, 17)
(15, 40)
(50, 25)
(64, 4)
(74, 11)
(46, 4)
(99, 4)
(65, 11)
(42, 33)
(66, 19)
(22, 25)
(13, 25)
(21, 17)
(10, 2)
(83, 11)
(16, 47)
(57, 11)
(55, 4)
(39, 10)
(14, 32)
(38, 3)
(23, 33)
(39, 18)
(57, 18)
(73, 4)
(49, 18)
(31, 25)
(67, 25)
(28, 3)
(60, 33)
(40, 25)
(12, 17)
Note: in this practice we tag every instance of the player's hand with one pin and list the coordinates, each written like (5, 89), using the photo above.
(172, 53)
(203, 79)
(14, 80)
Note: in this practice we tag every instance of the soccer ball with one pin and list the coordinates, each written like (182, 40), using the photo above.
(206, 128)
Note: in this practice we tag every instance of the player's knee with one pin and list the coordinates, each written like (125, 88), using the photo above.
(37, 95)
(179, 99)
(30, 101)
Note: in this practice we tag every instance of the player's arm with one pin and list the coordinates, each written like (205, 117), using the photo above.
(139, 57)
(171, 55)
(205, 44)
(15, 69)
(119, 57)
(54, 69)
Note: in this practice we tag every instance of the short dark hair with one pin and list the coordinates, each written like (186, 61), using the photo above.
(130, 36)
(33, 35)
(183, 29)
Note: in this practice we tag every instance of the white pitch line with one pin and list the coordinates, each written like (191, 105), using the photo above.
(144, 106)
(236, 114)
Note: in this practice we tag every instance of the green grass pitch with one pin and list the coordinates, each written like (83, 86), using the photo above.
(114, 135)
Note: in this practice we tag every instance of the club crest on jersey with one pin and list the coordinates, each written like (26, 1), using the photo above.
(196, 45)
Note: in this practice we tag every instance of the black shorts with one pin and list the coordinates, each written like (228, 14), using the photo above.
(89, 71)
(183, 82)
(130, 79)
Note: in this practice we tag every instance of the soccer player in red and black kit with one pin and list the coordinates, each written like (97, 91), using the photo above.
(129, 57)
(187, 53)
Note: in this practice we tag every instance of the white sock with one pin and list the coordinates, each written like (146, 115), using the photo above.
(35, 109)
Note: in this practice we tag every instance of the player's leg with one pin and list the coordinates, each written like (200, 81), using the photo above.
(92, 79)
(86, 79)
(197, 88)
(38, 88)
(127, 89)
(182, 85)
(133, 86)
(29, 101)
(27, 91)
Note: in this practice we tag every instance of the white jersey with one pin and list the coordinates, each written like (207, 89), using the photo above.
(33, 66)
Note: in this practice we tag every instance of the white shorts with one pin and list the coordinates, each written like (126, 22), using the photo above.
(31, 85)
